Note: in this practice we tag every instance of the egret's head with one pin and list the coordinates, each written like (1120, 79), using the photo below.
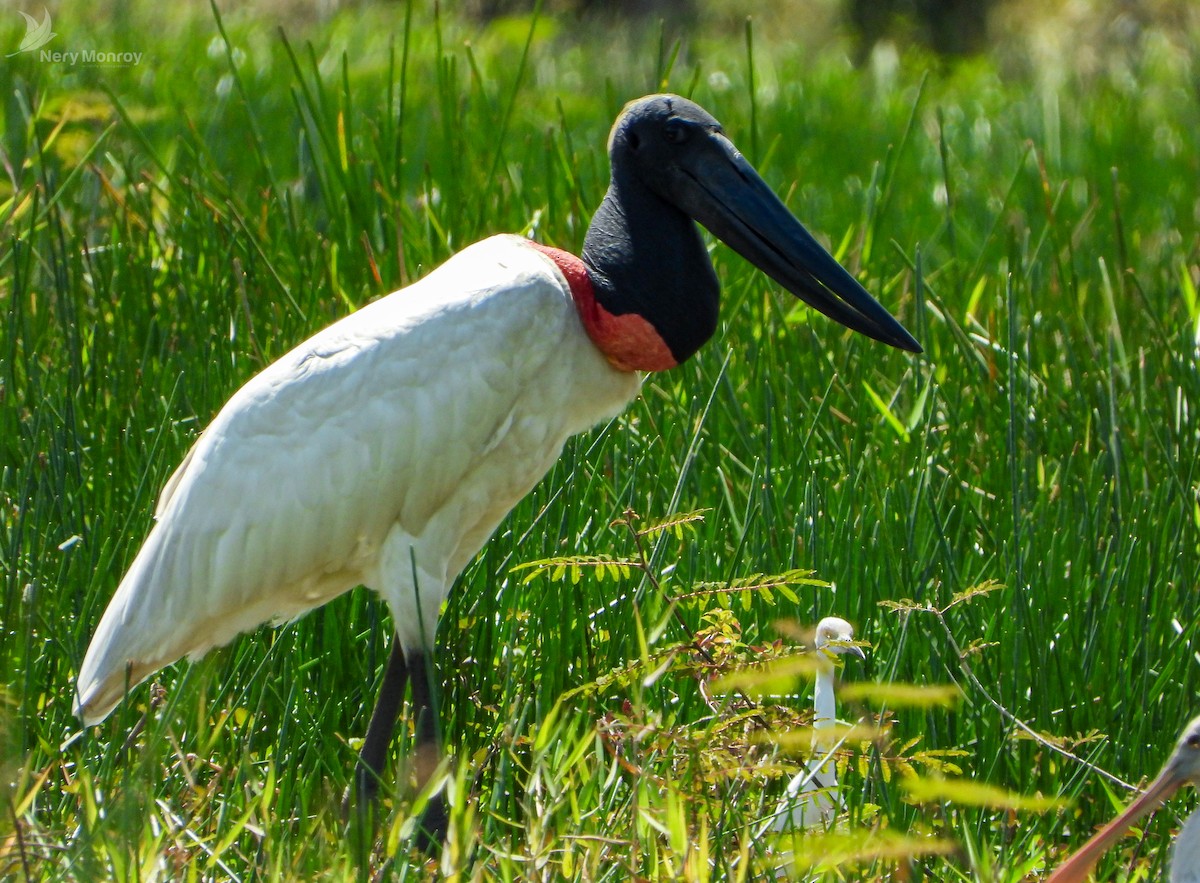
(1184, 765)
(835, 635)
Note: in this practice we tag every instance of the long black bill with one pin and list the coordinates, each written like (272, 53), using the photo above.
(722, 191)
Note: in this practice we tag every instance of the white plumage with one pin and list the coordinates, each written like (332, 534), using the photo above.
(1185, 856)
(400, 435)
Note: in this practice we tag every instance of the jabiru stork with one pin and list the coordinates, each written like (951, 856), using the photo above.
(812, 798)
(1182, 766)
(386, 449)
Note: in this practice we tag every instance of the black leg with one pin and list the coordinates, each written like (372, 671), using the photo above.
(402, 671)
(373, 756)
(431, 830)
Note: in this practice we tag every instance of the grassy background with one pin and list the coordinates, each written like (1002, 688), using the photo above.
(171, 227)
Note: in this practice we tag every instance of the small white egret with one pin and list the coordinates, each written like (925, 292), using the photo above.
(812, 798)
(386, 449)
(1182, 767)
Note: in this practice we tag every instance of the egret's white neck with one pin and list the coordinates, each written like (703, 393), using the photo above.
(1185, 858)
(824, 705)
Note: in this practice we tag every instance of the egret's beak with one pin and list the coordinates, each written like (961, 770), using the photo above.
(1077, 867)
(1183, 766)
(720, 189)
(855, 650)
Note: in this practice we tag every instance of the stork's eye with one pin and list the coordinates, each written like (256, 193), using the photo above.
(676, 131)
(633, 141)
(1193, 741)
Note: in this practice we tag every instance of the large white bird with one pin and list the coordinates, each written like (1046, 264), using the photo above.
(386, 449)
(1182, 767)
(811, 798)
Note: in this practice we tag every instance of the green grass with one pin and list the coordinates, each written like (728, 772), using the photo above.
(170, 228)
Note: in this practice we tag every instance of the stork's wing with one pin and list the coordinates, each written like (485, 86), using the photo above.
(285, 498)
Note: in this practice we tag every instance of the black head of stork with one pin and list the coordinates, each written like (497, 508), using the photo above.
(672, 164)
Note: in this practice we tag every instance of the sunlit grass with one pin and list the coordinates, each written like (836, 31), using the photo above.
(1023, 495)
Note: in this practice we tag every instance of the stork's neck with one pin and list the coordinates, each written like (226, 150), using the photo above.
(656, 294)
